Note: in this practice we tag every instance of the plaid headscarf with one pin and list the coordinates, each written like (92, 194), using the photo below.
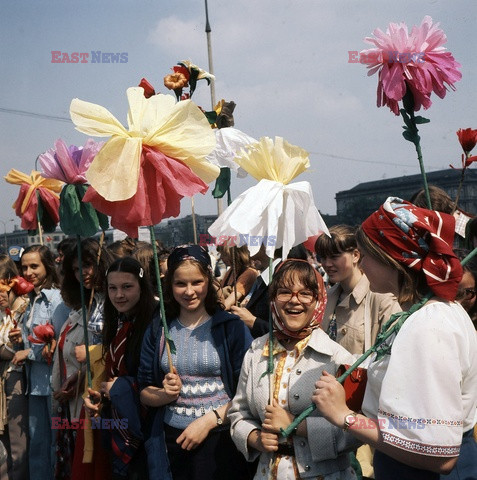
(419, 238)
(279, 328)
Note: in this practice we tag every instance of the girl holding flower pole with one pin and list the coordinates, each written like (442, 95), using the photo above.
(420, 395)
(44, 314)
(210, 345)
(129, 307)
(300, 350)
(69, 359)
(13, 402)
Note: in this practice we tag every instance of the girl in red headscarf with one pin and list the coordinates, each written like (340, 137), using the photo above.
(300, 351)
(421, 391)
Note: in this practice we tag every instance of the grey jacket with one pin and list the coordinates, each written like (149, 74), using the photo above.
(325, 449)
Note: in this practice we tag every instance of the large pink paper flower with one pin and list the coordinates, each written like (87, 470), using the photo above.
(415, 61)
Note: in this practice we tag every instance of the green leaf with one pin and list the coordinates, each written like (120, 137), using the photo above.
(411, 136)
(406, 118)
(419, 120)
(222, 184)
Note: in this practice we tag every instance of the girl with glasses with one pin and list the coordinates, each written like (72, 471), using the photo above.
(301, 350)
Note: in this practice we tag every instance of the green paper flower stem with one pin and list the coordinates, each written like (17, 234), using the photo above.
(83, 311)
(169, 343)
(423, 173)
(270, 338)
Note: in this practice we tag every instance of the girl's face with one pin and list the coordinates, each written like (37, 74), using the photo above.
(33, 269)
(297, 311)
(88, 274)
(341, 266)
(382, 278)
(4, 300)
(189, 287)
(467, 294)
(124, 291)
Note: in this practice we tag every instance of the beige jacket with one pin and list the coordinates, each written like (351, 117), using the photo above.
(359, 316)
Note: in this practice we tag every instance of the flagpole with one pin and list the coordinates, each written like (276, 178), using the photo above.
(208, 31)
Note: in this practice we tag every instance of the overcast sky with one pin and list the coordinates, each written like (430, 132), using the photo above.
(284, 63)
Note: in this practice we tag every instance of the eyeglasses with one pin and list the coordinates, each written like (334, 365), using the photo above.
(469, 292)
(303, 296)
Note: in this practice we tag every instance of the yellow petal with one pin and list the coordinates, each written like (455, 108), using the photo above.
(185, 134)
(114, 172)
(95, 120)
(137, 106)
(279, 161)
(16, 177)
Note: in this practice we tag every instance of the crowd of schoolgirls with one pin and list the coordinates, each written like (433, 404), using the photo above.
(194, 400)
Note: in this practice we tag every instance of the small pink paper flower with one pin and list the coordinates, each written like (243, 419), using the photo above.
(415, 61)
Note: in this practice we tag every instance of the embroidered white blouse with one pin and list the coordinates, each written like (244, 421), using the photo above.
(424, 394)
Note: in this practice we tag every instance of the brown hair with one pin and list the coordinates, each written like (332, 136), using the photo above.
(342, 239)
(70, 287)
(8, 269)
(440, 200)
(242, 256)
(293, 271)
(211, 301)
(48, 261)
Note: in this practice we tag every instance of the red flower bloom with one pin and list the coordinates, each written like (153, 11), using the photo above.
(148, 88)
(42, 334)
(470, 160)
(467, 138)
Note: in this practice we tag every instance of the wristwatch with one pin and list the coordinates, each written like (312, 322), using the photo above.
(219, 420)
(350, 420)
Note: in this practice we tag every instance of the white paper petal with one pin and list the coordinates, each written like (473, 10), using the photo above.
(282, 215)
(229, 143)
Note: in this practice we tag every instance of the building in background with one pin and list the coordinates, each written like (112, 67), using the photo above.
(355, 205)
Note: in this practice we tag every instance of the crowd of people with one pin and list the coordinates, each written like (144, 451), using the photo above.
(99, 380)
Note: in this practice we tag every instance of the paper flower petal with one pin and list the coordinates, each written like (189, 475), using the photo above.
(185, 135)
(163, 182)
(229, 142)
(94, 120)
(277, 215)
(278, 161)
(180, 131)
(114, 172)
(26, 205)
(68, 164)
(78, 217)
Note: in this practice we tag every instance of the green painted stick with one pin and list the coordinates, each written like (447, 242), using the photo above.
(169, 343)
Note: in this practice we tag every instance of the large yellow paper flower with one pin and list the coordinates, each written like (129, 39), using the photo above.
(178, 130)
(280, 161)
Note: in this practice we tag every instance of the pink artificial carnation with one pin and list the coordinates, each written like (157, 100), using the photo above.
(417, 61)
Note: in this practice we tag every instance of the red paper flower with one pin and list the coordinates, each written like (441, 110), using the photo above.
(148, 88)
(43, 334)
(467, 138)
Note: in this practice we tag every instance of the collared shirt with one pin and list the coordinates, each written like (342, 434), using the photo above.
(352, 312)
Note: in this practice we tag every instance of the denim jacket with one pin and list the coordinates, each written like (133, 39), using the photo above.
(46, 307)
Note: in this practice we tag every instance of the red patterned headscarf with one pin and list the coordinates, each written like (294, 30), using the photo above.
(279, 328)
(420, 239)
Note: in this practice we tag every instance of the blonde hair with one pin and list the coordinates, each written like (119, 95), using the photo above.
(412, 285)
